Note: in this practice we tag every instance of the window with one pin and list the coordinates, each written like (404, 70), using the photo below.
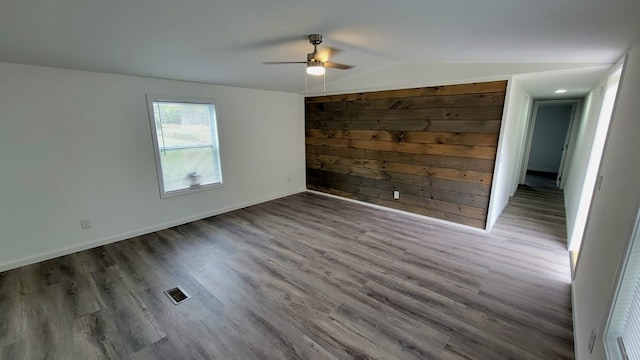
(185, 139)
(622, 337)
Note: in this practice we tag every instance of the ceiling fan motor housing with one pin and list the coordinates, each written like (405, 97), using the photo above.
(315, 63)
(315, 39)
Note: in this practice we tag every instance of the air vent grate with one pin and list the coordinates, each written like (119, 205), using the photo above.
(177, 295)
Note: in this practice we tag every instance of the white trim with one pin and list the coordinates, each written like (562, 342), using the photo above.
(529, 141)
(532, 124)
(112, 239)
(500, 211)
(565, 148)
(422, 217)
(585, 201)
(153, 98)
(576, 122)
(576, 351)
(492, 213)
(525, 118)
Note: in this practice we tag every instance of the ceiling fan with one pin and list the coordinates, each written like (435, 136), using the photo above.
(317, 61)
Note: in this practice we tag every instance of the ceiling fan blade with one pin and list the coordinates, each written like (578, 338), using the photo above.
(326, 53)
(337, 66)
(283, 62)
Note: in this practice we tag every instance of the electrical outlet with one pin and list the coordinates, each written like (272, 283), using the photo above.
(85, 224)
(592, 340)
(288, 180)
(396, 194)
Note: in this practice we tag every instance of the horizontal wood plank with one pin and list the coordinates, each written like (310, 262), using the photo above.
(444, 184)
(457, 126)
(424, 102)
(404, 207)
(421, 137)
(431, 171)
(418, 180)
(325, 178)
(410, 158)
(472, 113)
(469, 151)
(475, 88)
(412, 200)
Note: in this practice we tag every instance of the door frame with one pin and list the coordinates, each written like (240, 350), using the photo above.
(576, 109)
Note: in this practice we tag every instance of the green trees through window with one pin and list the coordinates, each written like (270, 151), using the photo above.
(186, 145)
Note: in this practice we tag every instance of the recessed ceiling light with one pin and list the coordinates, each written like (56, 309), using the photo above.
(561, 91)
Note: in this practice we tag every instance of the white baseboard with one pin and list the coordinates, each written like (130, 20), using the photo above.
(91, 244)
(422, 217)
(576, 350)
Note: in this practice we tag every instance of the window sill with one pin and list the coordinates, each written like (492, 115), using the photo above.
(165, 195)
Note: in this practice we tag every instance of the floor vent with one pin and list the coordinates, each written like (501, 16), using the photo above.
(177, 295)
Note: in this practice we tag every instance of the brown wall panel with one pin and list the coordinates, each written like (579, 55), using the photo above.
(461, 126)
(325, 178)
(471, 113)
(424, 102)
(418, 159)
(435, 145)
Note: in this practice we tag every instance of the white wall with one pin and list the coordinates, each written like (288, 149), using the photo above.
(508, 159)
(550, 130)
(578, 161)
(77, 144)
(612, 215)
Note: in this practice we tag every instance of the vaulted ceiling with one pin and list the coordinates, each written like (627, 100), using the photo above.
(225, 42)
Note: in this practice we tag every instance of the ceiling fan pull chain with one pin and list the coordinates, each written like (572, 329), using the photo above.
(324, 84)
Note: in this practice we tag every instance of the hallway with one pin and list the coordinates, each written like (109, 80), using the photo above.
(537, 208)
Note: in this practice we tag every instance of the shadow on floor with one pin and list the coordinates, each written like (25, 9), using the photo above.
(541, 180)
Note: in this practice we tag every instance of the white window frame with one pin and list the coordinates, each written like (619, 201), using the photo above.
(151, 98)
(627, 280)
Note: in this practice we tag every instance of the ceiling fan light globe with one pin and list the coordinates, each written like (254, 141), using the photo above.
(315, 69)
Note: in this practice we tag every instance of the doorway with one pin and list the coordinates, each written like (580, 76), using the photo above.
(548, 142)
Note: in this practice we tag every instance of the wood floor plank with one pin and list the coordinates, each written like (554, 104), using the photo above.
(305, 277)
(96, 337)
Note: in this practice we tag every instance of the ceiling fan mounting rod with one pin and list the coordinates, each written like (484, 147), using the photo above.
(315, 40)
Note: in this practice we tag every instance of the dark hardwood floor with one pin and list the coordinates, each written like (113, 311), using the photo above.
(305, 277)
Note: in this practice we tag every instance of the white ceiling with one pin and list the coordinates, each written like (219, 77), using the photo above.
(225, 42)
(577, 82)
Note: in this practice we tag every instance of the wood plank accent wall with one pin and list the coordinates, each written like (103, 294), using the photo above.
(435, 145)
